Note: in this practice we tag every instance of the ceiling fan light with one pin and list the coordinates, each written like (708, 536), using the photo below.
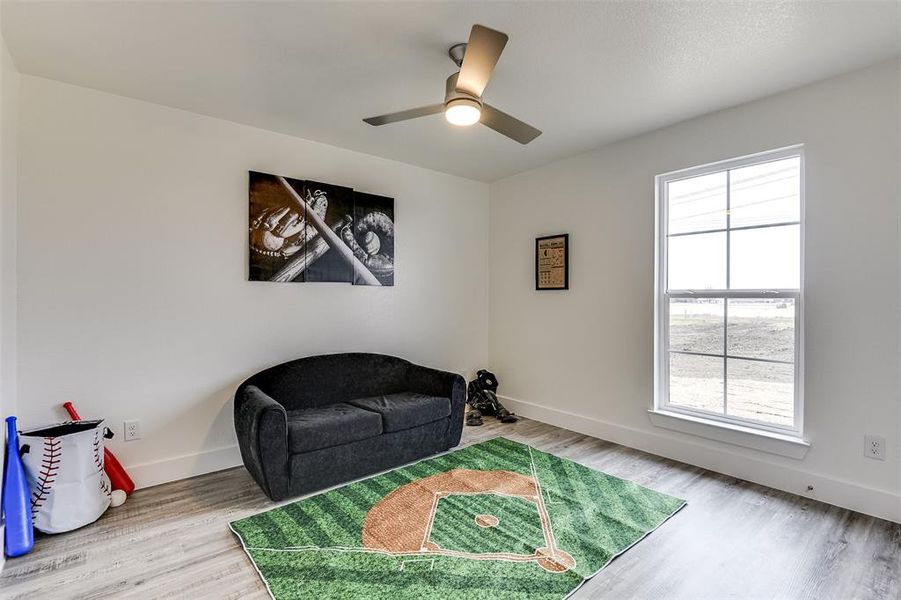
(462, 112)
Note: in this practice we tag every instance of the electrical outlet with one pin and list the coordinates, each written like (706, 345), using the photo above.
(874, 447)
(132, 430)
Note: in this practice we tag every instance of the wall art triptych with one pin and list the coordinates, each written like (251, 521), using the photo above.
(304, 230)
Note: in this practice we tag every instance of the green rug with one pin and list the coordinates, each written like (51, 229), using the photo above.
(498, 520)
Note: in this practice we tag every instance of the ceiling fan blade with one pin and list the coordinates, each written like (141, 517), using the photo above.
(509, 126)
(484, 48)
(404, 115)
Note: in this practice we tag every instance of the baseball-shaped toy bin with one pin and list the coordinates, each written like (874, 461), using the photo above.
(64, 468)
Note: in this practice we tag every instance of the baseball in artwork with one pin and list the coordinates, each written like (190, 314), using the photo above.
(307, 231)
(372, 237)
(498, 519)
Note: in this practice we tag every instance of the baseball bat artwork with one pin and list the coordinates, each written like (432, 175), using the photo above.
(114, 469)
(19, 535)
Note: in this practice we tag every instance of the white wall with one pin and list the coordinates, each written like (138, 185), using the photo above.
(133, 295)
(9, 115)
(584, 358)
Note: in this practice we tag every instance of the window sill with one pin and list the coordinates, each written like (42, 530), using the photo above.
(765, 441)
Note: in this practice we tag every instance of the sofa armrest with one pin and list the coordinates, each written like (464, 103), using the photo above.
(441, 383)
(261, 425)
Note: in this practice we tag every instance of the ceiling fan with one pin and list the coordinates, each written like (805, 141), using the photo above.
(463, 103)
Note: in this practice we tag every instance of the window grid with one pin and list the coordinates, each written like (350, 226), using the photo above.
(664, 352)
(742, 228)
(728, 286)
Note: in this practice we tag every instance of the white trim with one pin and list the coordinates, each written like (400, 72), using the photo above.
(734, 163)
(722, 458)
(182, 467)
(732, 433)
(660, 402)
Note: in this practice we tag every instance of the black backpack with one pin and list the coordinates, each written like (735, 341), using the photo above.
(482, 397)
(486, 380)
(481, 392)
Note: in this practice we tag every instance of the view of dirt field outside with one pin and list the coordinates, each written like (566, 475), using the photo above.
(734, 229)
(758, 328)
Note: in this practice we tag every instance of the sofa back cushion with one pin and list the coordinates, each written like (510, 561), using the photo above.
(320, 380)
(406, 409)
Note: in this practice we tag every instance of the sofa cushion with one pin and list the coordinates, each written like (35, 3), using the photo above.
(406, 409)
(331, 425)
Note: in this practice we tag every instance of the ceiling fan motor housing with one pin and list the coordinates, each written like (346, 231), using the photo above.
(452, 95)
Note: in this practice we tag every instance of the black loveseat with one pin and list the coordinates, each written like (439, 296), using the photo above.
(314, 422)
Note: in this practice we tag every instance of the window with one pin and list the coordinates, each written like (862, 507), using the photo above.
(729, 283)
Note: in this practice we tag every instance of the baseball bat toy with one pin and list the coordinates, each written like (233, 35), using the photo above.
(19, 536)
(114, 469)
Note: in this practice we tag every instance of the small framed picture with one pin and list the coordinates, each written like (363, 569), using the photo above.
(552, 262)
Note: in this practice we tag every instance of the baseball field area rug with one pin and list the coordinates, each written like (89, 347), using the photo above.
(495, 520)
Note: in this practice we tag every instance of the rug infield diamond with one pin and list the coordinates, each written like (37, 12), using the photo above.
(497, 519)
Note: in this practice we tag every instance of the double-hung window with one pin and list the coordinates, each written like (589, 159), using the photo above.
(729, 292)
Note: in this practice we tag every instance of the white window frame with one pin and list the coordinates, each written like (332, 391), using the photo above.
(691, 417)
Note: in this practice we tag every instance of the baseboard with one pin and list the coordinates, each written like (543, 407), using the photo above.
(845, 494)
(184, 466)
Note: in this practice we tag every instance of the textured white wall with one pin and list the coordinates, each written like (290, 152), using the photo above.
(584, 358)
(9, 116)
(133, 298)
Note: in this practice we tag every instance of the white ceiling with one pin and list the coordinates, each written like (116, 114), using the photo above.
(584, 73)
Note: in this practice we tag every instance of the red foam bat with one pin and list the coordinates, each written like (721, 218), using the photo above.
(114, 470)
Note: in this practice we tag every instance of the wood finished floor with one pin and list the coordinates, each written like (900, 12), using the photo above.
(733, 540)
